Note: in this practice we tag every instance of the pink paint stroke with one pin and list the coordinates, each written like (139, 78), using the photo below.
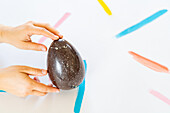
(160, 96)
(66, 15)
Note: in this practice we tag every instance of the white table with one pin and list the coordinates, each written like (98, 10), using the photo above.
(115, 83)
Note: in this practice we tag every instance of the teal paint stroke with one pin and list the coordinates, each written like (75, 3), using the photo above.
(142, 23)
(2, 91)
(80, 94)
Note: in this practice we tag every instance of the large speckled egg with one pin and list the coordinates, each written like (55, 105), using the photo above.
(65, 65)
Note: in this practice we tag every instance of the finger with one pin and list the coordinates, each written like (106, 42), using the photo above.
(49, 28)
(42, 31)
(33, 71)
(2, 93)
(38, 93)
(44, 88)
(37, 79)
(33, 46)
(50, 85)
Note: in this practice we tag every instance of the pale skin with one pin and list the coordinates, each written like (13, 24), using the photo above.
(15, 79)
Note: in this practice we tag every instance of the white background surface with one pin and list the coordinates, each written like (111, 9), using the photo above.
(115, 83)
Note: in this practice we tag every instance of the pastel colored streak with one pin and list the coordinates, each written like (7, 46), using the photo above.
(80, 94)
(2, 91)
(105, 7)
(142, 23)
(149, 63)
(42, 40)
(160, 96)
(66, 15)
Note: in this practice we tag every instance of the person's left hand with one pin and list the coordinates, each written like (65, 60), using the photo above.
(16, 80)
(20, 36)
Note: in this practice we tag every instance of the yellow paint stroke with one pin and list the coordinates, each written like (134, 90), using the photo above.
(107, 10)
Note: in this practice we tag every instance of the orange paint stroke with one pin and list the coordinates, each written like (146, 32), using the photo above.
(149, 63)
(105, 7)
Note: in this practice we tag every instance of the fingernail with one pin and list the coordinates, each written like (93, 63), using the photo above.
(60, 35)
(57, 90)
(50, 85)
(56, 37)
(44, 71)
(37, 79)
(43, 49)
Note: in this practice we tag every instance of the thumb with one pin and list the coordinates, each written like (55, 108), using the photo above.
(33, 46)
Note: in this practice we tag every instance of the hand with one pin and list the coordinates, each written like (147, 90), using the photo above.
(20, 36)
(16, 80)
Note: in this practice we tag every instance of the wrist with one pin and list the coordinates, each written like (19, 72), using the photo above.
(1, 33)
(4, 31)
(1, 79)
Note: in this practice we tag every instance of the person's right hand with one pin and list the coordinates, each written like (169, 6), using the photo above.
(16, 80)
(20, 36)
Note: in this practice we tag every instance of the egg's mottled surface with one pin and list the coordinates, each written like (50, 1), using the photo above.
(65, 65)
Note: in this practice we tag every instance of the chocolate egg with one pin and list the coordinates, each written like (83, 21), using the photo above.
(65, 65)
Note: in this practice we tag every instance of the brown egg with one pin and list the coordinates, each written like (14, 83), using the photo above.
(65, 65)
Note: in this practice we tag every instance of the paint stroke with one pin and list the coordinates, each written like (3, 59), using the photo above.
(2, 91)
(160, 96)
(142, 23)
(149, 63)
(65, 16)
(105, 7)
(80, 94)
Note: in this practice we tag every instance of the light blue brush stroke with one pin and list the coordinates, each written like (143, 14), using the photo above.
(142, 23)
(80, 94)
(2, 91)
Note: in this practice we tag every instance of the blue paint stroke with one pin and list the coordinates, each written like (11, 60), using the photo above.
(2, 91)
(142, 23)
(80, 94)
